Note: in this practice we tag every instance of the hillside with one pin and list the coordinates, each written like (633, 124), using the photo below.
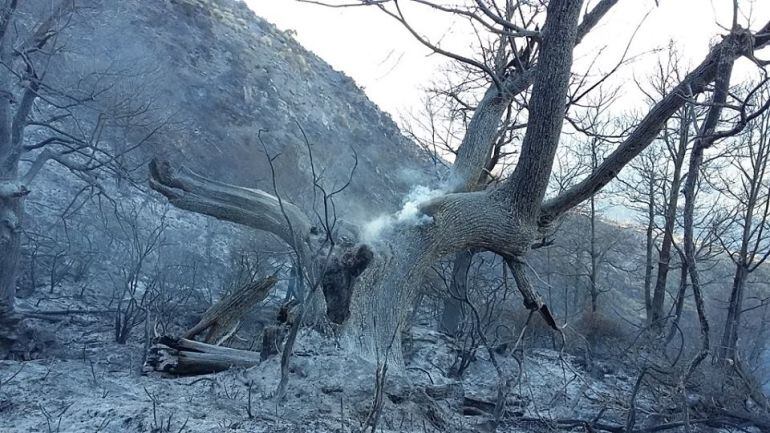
(218, 75)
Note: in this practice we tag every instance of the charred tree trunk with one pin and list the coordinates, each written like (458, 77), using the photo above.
(680, 295)
(187, 357)
(696, 159)
(11, 213)
(649, 250)
(453, 314)
(11, 195)
(594, 274)
(271, 342)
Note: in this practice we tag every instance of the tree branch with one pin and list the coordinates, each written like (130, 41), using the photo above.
(729, 49)
(476, 147)
(527, 185)
(250, 207)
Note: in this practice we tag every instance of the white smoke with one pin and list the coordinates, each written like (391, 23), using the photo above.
(409, 214)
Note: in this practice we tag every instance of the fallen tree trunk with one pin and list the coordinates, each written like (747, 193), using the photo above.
(187, 357)
(221, 320)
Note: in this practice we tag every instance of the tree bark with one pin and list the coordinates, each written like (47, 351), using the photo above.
(505, 220)
(453, 313)
(11, 213)
(221, 320)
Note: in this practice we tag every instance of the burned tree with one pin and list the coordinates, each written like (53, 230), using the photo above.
(747, 245)
(337, 281)
(642, 192)
(46, 119)
(676, 138)
(507, 219)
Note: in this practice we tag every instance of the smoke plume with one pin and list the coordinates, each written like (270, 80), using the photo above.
(409, 214)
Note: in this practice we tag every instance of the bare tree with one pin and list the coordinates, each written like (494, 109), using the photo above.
(589, 153)
(641, 189)
(676, 138)
(138, 276)
(506, 219)
(43, 119)
(748, 245)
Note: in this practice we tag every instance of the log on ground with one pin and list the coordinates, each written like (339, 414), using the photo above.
(181, 356)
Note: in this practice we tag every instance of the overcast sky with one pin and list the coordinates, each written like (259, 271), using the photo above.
(393, 68)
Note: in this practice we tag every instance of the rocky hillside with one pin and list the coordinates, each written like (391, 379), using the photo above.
(218, 75)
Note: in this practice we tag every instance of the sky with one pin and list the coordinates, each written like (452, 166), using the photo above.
(394, 69)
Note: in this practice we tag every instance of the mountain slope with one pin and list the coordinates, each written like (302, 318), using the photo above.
(222, 75)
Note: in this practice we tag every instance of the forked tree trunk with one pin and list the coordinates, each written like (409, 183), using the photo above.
(707, 137)
(503, 220)
(388, 288)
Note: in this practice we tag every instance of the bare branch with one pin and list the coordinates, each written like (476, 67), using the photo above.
(250, 207)
(729, 49)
